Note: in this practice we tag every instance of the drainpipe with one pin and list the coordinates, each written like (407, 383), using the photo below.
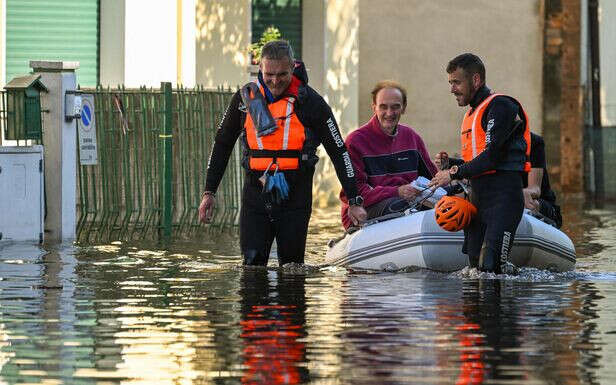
(595, 79)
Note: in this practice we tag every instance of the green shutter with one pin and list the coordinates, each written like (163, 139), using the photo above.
(286, 15)
(64, 30)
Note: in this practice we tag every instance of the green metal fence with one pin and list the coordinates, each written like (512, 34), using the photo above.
(153, 148)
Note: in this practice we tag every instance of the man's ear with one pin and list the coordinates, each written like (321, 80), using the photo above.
(374, 108)
(476, 81)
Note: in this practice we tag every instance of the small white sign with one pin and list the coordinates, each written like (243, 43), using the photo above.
(88, 152)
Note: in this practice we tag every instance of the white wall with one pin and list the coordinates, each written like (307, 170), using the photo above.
(2, 43)
(112, 42)
(189, 43)
(139, 42)
(607, 50)
(150, 42)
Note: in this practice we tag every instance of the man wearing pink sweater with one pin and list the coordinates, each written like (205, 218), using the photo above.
(387, 156)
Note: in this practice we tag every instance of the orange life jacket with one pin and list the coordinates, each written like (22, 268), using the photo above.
(283, 146)
(473, 136)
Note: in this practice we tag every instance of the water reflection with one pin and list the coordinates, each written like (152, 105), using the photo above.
(489, 333)
(189, 314)
(431, 329)
(273, 318)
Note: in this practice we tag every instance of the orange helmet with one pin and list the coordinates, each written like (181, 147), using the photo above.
(454, 213)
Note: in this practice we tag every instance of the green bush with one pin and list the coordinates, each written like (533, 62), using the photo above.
(270, 33)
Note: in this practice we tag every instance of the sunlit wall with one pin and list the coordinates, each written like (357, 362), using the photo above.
(411, 41)
(222, 39)
(331, 53)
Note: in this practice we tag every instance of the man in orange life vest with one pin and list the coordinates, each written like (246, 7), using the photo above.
(281, 121)
(495, 139)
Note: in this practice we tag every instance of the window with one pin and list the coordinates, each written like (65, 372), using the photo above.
(286, 15)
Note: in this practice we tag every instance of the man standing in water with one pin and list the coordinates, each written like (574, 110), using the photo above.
(495, 138)
(281, 121)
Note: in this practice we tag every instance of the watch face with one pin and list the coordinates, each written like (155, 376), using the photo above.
(357, 201)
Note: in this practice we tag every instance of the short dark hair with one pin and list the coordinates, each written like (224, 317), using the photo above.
(389, 84)
(277, 50)
(471, 64)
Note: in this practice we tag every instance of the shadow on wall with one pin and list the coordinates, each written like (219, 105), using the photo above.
(223, 37)
(341, 89)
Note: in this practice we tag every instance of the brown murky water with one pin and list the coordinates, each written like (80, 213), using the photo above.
(136, 313)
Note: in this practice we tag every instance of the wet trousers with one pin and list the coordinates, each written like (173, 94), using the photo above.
(500, 204)
(262, 221)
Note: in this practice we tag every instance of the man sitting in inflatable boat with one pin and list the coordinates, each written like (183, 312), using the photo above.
(387, 156)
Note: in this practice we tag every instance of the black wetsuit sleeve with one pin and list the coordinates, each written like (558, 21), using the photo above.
(537, 152)
(454, 189)
(537, 160)
(228, 131)
(455, 161)
(499, 124)
(324, 124)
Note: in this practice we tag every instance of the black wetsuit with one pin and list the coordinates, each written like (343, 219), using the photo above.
(261, 219)
(547, 200)
(498, 196)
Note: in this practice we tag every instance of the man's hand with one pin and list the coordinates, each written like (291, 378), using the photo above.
(407, 192)
(442, 178)
(357, 215)
(206, 208)
(530, 199)
(441, 160)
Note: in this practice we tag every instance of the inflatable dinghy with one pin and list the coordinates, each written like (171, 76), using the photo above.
(414, 239)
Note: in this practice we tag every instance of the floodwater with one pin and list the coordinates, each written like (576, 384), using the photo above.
(137, 313)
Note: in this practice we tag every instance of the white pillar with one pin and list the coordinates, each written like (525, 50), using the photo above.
(60, 143)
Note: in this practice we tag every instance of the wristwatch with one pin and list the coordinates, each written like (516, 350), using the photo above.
(453, 171)
(357, 201)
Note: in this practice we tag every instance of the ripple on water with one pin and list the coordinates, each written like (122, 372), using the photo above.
(122, 260)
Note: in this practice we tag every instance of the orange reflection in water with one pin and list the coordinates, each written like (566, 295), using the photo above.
(273, 327)
(471, 364)
(272, 349)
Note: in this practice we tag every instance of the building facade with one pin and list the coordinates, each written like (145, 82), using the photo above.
(347, 46)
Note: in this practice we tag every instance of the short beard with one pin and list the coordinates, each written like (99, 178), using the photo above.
(473, 93)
